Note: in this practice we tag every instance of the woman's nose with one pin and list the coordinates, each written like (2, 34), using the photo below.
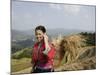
(37, 36)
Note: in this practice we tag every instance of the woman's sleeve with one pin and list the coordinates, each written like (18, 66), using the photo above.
(50, 53)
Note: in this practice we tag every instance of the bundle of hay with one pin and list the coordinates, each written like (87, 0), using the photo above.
(74, 53)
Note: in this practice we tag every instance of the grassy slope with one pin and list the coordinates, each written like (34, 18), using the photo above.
(20, 64)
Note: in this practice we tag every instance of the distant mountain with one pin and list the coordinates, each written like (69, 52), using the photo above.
(29, 34)
(62, 31)
(17, 35)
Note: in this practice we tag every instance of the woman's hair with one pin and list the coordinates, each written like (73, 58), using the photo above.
(40, 27)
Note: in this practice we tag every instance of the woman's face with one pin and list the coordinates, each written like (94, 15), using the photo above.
(39, 35)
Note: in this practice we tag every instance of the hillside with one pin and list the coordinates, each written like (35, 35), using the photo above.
(24, 53)
(73, 52)
(17, 35)
(19, 45)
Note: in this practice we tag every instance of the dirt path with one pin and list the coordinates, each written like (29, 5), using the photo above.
(25, 71)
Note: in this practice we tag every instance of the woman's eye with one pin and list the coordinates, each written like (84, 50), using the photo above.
(39, 34)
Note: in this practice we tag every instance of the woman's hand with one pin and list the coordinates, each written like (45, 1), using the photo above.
(45, 37)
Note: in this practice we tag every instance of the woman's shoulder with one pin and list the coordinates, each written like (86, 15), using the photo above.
(35, 44)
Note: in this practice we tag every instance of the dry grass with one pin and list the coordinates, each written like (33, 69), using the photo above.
(73, 53)
(20, 64)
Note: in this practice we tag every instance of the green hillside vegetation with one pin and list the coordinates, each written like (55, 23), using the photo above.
(19, 45)
(24, 53)
(89, 37)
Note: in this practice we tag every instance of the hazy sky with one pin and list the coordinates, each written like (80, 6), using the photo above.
(27, 15)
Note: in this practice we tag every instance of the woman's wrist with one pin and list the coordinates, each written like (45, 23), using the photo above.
(47, 47)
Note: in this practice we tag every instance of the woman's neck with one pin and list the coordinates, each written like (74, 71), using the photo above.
(41, 42)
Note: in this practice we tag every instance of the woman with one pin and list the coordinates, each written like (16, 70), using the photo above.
(43, 52)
